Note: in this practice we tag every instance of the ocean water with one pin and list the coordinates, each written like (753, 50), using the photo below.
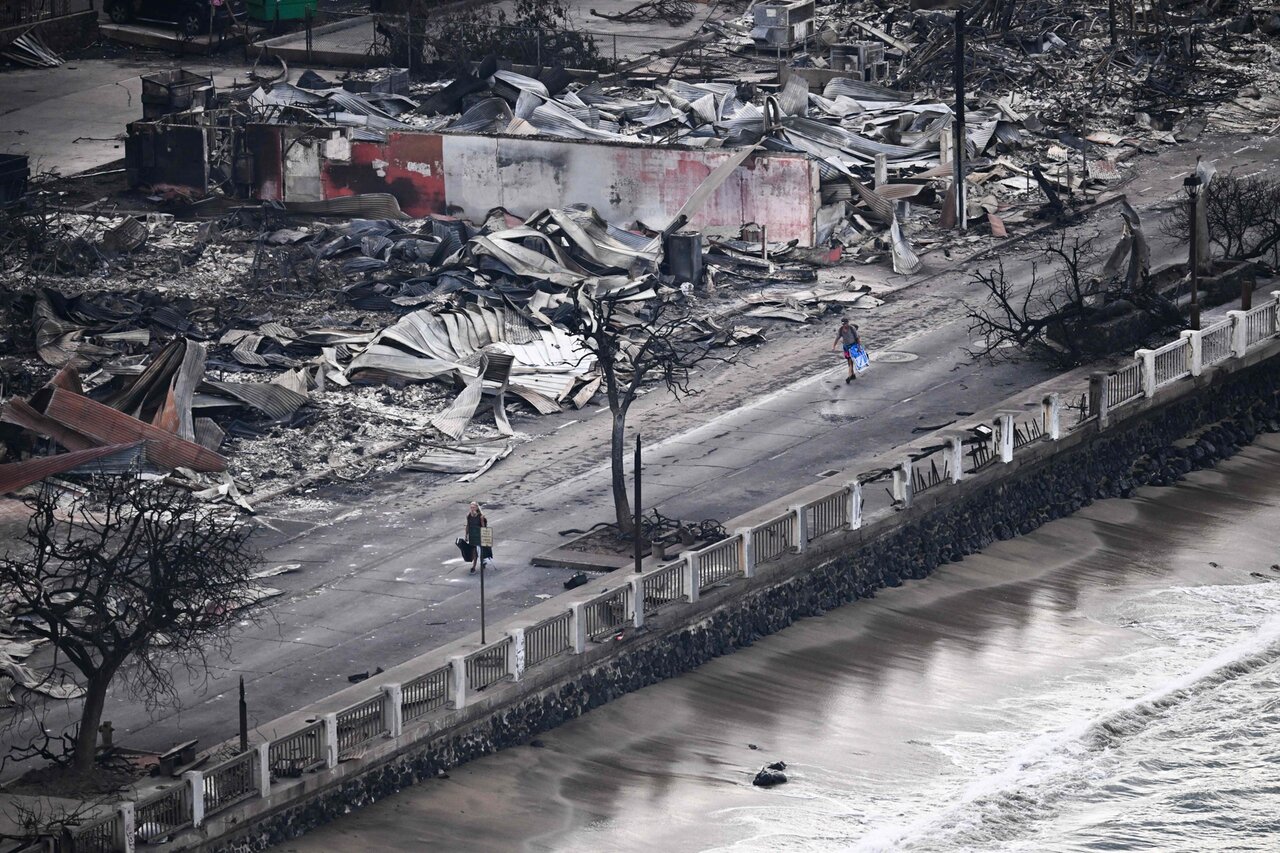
(1110, 682)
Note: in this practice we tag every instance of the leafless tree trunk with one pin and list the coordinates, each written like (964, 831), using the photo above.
(129, 581)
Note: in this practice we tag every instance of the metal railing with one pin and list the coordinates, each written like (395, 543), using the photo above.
(296, 753)
(1124, 385)
(100, 836)
(718, 562)
(162, 813)
(662, 587)
(1260, 323)
(827, 515)
(925, 472)
(425, 693)
(607, 613)
(1215, 343)
(1172, 361)
(361, 723)
(772, 539)
(489, 665)
(548, 638)
(229, 783)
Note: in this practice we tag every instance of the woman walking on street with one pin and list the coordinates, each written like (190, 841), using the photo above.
(475, 521)
(846, 339)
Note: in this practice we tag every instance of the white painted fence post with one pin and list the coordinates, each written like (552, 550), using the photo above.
(458, 672)
(330, 740)
(855, 505)
(127, 827)
(746, 553)
(1004, 423)
(1148, 373)
(1239, 333)
(264, 769)
(517, 652)
(690, 570)
(392, 696)
(902, 483)
(195, 795)
(1098, 398)
(1275, 296)
(637, 601)
(955, 458)
(799, 524)
(1195, 350)
(1051, 406)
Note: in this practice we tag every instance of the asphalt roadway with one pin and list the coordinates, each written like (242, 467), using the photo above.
(379, 579)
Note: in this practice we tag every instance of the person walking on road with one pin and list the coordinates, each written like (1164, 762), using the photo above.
(848, 341)
(475, 522)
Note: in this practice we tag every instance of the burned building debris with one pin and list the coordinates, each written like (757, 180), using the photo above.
(381, 260)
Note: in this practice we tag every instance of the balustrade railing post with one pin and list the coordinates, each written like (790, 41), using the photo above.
(902, 483)
(855, 505)
(800, 527)
(1004, 429)
(578, 625)
(195, 795)
(746, 552)
(1051, 415)
(330, 729)
(263, 751)
(1275, 297)
(392, 703)
(1098, 398)
(1148, 373)
(955, 458)
(126, 827)
(637, 601)
(517, 653)
(458, 672)
(1239, 333)
(1194, 342)
(690, 570)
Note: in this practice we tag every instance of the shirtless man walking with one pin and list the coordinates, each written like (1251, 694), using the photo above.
(847, 337)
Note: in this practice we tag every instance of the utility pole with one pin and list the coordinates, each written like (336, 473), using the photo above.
(958, 149)
(636, 527)
(1192, 186)
(244, 719)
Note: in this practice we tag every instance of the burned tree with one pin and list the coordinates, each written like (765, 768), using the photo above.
(1057, 318)
(1241, 217)
(536, 32)
(655, 344)
(131, 582)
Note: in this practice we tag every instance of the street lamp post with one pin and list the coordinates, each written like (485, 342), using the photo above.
(958, 123)
(1192, 186)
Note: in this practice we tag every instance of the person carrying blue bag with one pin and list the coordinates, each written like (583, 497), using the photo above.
(850, 344)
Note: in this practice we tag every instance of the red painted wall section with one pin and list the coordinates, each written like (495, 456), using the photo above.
(409, 166)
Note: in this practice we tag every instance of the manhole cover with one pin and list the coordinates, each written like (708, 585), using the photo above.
(892, 357)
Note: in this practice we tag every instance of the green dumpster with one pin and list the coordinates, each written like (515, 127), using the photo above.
(280, 10)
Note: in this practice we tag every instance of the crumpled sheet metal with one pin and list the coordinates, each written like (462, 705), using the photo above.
(905, 260)
(17, 475)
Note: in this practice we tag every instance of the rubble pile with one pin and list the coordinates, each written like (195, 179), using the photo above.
(270, 347)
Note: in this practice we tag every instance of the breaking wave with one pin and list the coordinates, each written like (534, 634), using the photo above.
(999, 808)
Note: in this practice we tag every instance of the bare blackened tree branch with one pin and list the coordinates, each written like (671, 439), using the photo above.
(130, 581)
(1243, 217)
(658, 345)
(1049, 317)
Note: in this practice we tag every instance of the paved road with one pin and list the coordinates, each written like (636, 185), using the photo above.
(380, 581)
